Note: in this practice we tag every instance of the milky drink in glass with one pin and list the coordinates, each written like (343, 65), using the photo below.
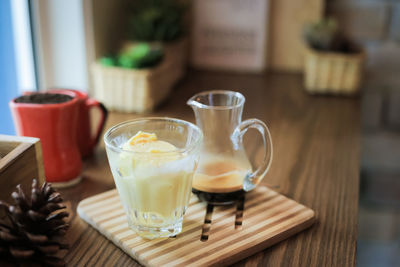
(153, 161)
(224, 171)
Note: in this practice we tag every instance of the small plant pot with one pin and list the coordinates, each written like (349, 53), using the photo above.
(130, 90)
(333, 73)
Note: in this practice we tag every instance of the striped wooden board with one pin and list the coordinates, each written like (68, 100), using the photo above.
(211, 235)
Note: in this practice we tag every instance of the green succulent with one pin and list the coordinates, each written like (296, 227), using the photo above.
(323, 35)
(137, 56)
(107, 61)
(156, 20)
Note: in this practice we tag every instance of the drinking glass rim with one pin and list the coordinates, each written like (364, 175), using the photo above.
(164, 119)
(239, 95)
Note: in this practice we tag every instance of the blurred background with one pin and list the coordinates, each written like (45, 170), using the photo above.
(58, 44)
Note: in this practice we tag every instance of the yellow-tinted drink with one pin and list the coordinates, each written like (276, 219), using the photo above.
(154, 182)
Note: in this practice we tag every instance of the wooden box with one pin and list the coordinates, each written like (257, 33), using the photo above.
(20, 162)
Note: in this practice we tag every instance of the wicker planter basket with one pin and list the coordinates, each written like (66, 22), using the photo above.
(333, 73)
(140, 91)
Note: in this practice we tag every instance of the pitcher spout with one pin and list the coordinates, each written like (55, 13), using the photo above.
(194, 103)
(217, 100)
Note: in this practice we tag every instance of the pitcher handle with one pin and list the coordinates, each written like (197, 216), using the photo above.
(252, 179)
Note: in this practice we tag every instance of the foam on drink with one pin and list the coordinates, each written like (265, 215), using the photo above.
(219, 174)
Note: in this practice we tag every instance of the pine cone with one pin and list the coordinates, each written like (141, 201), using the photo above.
(34, 227)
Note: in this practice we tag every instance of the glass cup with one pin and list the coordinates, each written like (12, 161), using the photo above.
(154, 188)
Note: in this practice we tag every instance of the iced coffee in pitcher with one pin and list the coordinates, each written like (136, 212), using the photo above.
(225, 173)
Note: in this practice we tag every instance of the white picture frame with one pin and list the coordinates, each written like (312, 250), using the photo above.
(230, 34)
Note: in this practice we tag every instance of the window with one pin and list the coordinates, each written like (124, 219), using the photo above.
(16, 57)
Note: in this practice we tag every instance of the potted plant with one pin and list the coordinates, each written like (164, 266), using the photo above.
(333, 65)
(142, 73)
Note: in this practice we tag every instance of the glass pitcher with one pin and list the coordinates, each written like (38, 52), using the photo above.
(224, 171)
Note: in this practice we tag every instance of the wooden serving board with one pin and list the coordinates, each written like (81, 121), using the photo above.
(267, 218)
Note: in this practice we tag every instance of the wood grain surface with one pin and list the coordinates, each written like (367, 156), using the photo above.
(268, 218)
(20, 162)
(316, 163)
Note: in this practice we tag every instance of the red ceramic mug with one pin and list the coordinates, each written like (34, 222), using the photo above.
(86, 140)
(56, 126)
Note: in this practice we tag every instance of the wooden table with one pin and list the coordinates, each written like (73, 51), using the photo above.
(316, 162)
